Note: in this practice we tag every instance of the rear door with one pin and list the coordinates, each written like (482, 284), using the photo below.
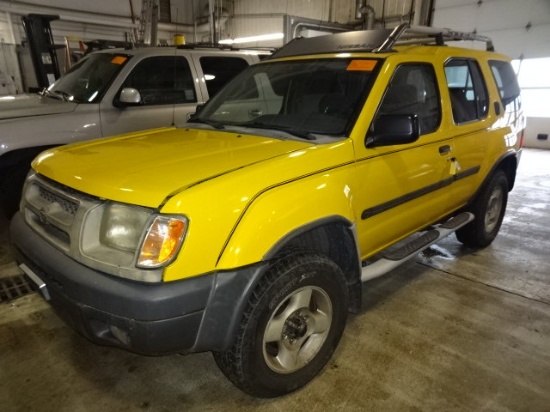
(469, 101)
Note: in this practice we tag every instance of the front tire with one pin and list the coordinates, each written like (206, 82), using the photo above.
(290, 328)
(488, 209)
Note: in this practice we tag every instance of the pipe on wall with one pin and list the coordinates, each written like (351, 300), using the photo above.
(366, 13)
(370, 17)
(359, 4)
(421, 13)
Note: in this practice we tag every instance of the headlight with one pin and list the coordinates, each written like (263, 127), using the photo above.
(122, 226)
(131, 241)
(163, 240)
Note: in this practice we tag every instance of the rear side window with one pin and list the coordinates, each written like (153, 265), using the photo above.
(507, 84)
(219, 70)
(467, 90)
(413, 90)
(163, 80)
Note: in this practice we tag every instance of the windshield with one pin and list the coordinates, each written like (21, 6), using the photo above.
(87, 81)
(303, 98)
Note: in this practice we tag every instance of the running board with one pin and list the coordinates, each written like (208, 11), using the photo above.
(391, 259)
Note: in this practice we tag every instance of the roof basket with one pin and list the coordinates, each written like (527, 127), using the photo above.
(377, 41)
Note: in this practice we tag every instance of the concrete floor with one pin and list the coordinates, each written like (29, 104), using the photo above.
(454, 330)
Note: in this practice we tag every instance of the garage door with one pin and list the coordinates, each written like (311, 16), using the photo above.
(518, 28)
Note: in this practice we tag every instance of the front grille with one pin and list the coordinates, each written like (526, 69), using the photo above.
(14, 287)
(50, 230)
(54, 211)
(66, 205)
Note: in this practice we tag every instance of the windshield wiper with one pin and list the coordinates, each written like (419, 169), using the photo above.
(66, 96)
(48, 93)
(58, 94)
(304, 134)
(213, 123)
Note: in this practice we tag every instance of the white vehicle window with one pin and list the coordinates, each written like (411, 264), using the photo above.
(163, 80)
(218, 70)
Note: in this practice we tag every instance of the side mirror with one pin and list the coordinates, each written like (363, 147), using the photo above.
(129, 97)
(198, 109)
(393, 129)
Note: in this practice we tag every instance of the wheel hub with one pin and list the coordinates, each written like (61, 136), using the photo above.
(295, 326)
(297, 329)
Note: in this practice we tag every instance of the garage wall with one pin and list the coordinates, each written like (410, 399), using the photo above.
(119, 19)
(88, 20)
(80, 19)
(245, 18)
(537, 132)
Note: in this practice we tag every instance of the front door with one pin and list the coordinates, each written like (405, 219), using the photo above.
(402, 188)
(169, 93)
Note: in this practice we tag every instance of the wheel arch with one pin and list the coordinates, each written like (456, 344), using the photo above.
(508, 163)
(334, 236)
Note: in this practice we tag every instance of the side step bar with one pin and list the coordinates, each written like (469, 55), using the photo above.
(391, 259)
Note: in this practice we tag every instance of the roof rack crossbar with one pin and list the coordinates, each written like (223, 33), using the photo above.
(407, 34)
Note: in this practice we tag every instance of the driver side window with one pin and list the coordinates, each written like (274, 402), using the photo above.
(413, 91)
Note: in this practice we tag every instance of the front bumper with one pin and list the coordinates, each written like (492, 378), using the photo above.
(191, 315)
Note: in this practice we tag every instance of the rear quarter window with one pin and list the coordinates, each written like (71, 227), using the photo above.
(506, 81)
(467, 90)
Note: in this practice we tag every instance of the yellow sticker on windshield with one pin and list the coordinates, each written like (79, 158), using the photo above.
(362, 65)
(119, 59)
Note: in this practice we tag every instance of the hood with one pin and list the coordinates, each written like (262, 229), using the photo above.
(25, 105)
(146, 168)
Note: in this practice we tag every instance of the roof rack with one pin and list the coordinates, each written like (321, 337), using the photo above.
(407, 34)
(377, 41)
(261, 51)
(216, 46)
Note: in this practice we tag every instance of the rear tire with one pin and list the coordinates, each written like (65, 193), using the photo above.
(488, 209)
(290, 328)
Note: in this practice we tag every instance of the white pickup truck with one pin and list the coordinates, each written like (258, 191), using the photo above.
(109, 92)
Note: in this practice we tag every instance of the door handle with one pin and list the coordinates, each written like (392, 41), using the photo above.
(444, 149)
(497, 108)
(254, 113)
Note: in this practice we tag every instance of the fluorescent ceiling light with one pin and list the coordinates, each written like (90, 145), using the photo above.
(261, 37)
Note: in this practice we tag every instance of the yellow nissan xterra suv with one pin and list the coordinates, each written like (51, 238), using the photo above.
(249, 231)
